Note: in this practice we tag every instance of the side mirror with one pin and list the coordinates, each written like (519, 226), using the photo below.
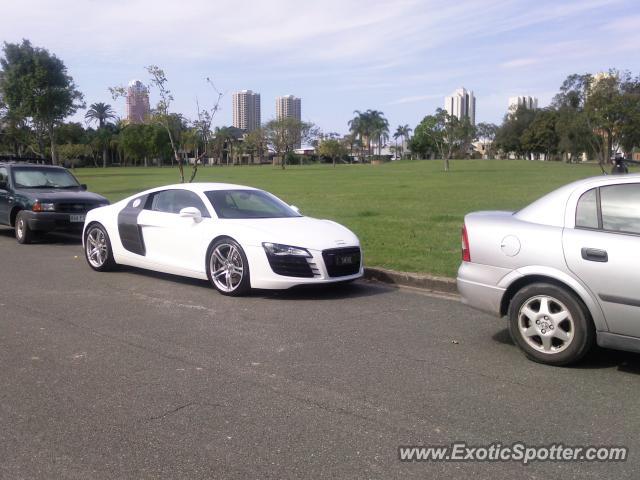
(191, 212)
(294, 208)
(83, 187)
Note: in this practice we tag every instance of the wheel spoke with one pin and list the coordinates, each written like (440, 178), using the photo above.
(546, 343)
(530, 314)
(544, 306)
(561, 335)
(530, 332)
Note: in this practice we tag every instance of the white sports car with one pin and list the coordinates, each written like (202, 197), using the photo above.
(236, 237)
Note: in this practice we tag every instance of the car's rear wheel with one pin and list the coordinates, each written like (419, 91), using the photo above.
(97, 248)
(24, 234)
(550, 324)
(228, 267)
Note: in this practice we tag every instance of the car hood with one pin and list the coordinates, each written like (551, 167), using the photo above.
(59, 195)
(305, 232)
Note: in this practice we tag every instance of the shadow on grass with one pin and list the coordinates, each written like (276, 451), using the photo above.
(598, 358)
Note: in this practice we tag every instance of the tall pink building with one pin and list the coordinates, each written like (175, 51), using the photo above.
(137, 102)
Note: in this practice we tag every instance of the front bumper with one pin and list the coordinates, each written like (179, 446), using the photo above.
(263, 276)
(48, 221)
(478, 286)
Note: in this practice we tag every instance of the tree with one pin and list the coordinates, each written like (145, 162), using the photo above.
(101, 113)
(284, 134)
(509, 136)
(403, 131)
(607, 105)
(486, 135)
(541, 135)
(424, 141)
(35, 86)
(163, 116)
(256, 144)
(332, 148)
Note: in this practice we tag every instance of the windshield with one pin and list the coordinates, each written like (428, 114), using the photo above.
(248, 204)
(43, 178)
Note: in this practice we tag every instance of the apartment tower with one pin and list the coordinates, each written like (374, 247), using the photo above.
(246, 110)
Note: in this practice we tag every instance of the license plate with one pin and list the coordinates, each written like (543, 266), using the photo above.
(77, 218)
(345, 260)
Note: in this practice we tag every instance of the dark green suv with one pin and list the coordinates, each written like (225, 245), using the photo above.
(41, 198)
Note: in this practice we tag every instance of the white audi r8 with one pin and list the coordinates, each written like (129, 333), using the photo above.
(237, 237)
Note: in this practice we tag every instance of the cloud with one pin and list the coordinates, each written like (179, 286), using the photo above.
(416, 98)
(519, 62)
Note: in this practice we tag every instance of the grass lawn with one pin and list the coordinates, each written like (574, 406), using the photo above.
(407, 214)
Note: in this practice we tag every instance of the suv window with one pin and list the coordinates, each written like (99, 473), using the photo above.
(587, 211)
(172, 201)
(4, 177)
(621, 208)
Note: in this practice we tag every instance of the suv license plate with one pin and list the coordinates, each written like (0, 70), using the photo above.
(76, 218)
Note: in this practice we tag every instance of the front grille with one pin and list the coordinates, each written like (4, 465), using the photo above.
(74, 207)
(290, 266)
(335, 268)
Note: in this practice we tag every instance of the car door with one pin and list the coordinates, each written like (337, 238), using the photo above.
(171, 240)
(603, 250)
(4, 196)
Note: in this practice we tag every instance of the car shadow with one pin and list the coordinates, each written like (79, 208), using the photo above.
(360, 288)
(51, 238)
(628, 362)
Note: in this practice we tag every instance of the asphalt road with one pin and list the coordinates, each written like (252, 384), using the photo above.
(137, 375)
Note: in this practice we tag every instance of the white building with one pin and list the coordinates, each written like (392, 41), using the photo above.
(288, 107)
(461, 104)
(246, 110)
(530, 103)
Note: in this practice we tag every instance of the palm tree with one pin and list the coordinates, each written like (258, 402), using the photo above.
(402, 131)
(101, 113)
(379, 127)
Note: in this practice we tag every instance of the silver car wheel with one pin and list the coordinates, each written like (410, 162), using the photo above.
(96, 247)
(226, 267)
(546, 324)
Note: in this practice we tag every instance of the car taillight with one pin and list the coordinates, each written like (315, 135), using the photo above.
(466, 253)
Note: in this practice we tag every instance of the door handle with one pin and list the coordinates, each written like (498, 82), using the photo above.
(595, 255)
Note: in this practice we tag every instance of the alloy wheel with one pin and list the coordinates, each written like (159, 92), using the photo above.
(226, 267)
(96, 247)
(546, 324)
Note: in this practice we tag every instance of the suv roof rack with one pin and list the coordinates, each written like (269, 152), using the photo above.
(30, 160)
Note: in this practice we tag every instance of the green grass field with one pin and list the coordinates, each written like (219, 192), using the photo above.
(407, 214)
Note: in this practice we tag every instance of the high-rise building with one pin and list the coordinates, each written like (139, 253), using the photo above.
(288, 107)
(461, 104)
(137, 102)
(530, 103)
(246, 110)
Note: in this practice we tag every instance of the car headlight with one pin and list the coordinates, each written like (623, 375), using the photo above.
(43, 207)
(280, 250)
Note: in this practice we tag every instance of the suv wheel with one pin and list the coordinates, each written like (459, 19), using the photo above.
(23, 233)
(550, 324)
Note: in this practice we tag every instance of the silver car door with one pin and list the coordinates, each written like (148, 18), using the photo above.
(604, 252)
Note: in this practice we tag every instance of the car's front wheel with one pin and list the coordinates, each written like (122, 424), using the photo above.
(97, 248)
(228, 267)
(23, 232)
(550, 324)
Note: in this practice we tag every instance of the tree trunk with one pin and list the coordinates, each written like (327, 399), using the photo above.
(52, 136)
(104, 157)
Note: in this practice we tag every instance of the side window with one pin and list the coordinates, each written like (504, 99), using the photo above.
(172, 201)
(4, 178)
(621, 208)
(587, 211)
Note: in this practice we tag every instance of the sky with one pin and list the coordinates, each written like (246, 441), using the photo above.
(401, 57)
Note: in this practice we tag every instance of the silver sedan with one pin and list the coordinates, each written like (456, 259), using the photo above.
(565, 269)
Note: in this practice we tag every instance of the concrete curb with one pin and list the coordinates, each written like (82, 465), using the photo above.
(415, 280)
